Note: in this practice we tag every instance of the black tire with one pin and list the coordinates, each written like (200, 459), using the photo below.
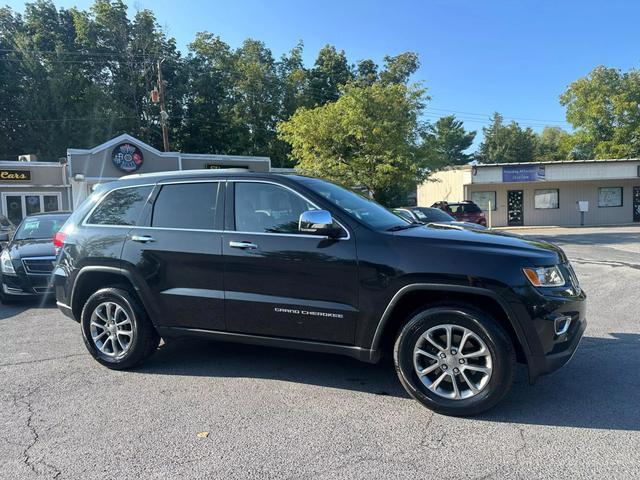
(497, 341)
(145, 339)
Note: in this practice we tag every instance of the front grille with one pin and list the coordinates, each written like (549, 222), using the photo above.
(39, 266)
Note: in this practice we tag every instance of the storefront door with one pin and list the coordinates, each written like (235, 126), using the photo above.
(636, 204)
(16, 206)
(515, 208)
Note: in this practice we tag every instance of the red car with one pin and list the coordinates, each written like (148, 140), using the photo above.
(465, 211)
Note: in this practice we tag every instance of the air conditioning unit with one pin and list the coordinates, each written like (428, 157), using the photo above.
(27, 158)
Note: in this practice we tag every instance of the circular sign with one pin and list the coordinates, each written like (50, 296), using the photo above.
(127, 157)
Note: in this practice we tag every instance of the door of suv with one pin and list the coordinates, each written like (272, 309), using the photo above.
(176, 252)
(279, 282)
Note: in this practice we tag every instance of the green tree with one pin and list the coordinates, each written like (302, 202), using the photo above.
(365, 139)
(446, 142)
(330, 71)
(506, 143)
(554, 144)
(398, 69)
(604, 108)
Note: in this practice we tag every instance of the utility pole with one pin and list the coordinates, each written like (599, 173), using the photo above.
(164, 117)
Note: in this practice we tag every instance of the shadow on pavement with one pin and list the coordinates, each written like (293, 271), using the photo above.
(599, 389)
(16, 307)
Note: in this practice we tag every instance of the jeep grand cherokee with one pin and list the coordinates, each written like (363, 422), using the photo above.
(297, 262)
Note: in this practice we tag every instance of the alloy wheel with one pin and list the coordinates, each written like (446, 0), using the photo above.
(111, 329)
(452, 361)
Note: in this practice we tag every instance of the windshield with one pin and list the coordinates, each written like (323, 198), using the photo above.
(40, 227)
(367, 211)
(432, 215)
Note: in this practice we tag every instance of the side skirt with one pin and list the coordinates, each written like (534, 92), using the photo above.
(362, 354)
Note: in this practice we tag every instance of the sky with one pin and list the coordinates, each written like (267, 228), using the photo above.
(511, 56)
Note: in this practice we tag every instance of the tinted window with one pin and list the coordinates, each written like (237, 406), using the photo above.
(40, 227)
(120, 207)
(264, 207)
(471, 208)
(188, 205)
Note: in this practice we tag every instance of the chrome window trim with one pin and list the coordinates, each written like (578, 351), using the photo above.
(99, 202)
(348, 237)
(208, 180)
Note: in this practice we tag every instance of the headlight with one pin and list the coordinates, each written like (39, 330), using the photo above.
(544, 276)
(5, 262)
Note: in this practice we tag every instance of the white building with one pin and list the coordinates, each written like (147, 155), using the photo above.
(544, 193)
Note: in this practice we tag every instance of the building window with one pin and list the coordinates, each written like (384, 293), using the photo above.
(548, 198)
(16, 206)
(610, 197)
(483, 199)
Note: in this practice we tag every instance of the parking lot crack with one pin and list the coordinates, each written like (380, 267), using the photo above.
(28, 362)
(26, 401)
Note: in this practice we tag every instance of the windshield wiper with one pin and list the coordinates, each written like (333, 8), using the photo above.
(397, 228)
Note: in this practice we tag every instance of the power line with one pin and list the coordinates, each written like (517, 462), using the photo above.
(490, 115)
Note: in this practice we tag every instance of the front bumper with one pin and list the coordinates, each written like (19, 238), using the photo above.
(550, 345)
(25, 285)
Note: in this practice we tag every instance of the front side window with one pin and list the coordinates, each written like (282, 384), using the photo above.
(120, 207)
(549, 198)
(186, 205)
(610, 197)
(268, 208)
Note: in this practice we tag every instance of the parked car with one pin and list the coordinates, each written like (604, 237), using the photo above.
(7, 230)
(297, 262)
(465, 211)
(430, 215)
(27, 262)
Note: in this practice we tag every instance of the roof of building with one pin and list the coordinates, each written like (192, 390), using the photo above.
(557, 162)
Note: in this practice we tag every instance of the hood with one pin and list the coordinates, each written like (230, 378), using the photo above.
(456, 237)
(456, 223)
(32, 248)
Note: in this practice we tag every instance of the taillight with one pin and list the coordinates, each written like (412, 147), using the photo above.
(58, 239)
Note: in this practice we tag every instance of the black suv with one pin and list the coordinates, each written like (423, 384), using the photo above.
(298, 262)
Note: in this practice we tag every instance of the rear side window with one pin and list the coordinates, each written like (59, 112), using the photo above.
(471, 208)
(120, 207)
(186, 205)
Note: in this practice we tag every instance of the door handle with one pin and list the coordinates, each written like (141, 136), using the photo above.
(142, 238)
(243, 245)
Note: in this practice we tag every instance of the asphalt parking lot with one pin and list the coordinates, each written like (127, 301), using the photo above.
(206, 410)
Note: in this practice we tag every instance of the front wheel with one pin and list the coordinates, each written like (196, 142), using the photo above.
(116, 329)
(455, 360)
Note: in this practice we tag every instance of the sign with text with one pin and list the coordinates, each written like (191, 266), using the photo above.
(523, 173)
(15, 175)
(216, 166)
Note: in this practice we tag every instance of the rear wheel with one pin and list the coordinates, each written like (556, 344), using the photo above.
(116, 329)
(454, 360)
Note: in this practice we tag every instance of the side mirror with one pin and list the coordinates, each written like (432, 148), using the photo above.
(4, 236)
(318, 222)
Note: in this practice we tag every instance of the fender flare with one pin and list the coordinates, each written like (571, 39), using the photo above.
(442, 287)
(106, 269)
